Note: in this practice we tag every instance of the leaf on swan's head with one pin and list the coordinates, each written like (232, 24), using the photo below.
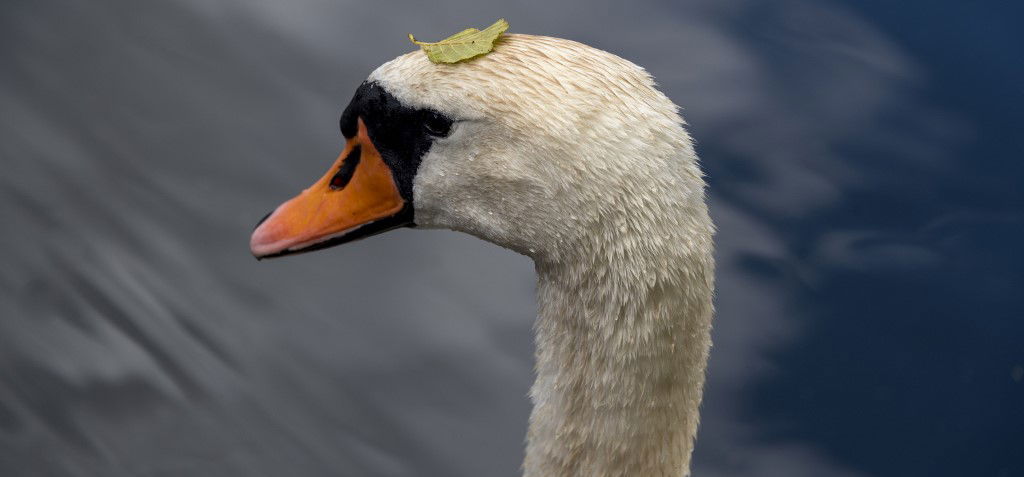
(466, 44)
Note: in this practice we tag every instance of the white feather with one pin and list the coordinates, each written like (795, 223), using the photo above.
(570, 155)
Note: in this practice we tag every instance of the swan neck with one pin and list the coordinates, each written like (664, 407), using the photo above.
(622, 345)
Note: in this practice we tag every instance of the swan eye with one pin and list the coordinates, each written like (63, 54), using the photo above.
(437, 125)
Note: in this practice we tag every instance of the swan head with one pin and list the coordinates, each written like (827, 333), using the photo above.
(535, 146)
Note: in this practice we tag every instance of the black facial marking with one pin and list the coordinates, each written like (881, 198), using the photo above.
(401, 134)
(348, 167)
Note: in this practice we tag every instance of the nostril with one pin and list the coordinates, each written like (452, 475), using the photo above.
(347, 169)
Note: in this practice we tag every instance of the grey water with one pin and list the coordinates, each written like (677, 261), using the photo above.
(864, 162)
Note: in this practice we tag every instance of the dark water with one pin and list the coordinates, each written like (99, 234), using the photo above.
(865, 162)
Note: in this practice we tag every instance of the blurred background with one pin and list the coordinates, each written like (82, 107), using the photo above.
(865, 169)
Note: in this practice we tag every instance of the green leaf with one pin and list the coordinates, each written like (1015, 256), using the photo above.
(463, 45)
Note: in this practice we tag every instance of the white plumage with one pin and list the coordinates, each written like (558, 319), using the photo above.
(570, 155)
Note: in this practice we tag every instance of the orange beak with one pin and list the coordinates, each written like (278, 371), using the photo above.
(356, 198)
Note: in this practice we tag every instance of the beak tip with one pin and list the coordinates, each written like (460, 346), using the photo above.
(259, 252)
(264, 241)
(264, 219)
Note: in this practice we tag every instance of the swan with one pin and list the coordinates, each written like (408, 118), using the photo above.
(569, 155)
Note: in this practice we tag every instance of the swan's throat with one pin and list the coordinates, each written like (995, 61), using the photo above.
(621, 351)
